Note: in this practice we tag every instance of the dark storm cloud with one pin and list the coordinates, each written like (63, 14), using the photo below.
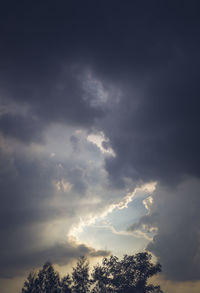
(156, 139)
(58, 254)
(154, 127)
(43, 43)
(57, 99)
(25, 180)
(21, 127)
(149, 51)
(40, 68)
(175, 212)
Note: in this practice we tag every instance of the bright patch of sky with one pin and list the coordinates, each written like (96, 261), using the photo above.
(109, 230)
(104, 214)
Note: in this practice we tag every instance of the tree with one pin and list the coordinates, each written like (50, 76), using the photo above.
(30, 284)
(46, 281)
(65, 284)
(131, 274)
(80, 276)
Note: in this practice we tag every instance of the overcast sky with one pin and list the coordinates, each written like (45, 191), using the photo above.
(99, 135)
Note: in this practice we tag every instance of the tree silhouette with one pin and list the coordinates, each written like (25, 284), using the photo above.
(80, 276)
(129, 275)
(65, 284)
(46, 281)
(30, 284)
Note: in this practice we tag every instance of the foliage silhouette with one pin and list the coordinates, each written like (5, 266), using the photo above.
(80, 276)
(46, 281)
(65, 284)
(30, 284)
(129, 275)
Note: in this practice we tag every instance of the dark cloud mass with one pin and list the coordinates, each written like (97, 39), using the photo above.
(144, 57)
(59, 253)
(160, 136)
(175, 214)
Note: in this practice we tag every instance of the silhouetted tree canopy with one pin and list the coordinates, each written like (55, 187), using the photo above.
(128, 275)
(80, 276)
(47, 281)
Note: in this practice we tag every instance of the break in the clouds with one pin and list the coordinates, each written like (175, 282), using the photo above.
(96, 100)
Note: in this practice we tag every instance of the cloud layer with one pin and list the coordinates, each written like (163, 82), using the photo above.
(129, 72)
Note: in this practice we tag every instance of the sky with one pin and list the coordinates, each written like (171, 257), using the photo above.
(99, 136)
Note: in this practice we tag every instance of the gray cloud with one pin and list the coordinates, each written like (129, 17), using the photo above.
(25, 128)
(147, 222)
(36, 213)
(58, 100)
(175, 213)
(177, 241)
(155, 138)
(41, 59)
(149, 55)
(62, 254)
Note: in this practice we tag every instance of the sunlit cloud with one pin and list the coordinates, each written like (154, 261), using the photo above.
(101, 142)
(148, 202)
(90, 220)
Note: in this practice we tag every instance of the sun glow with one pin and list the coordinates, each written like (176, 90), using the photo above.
(76, 230)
